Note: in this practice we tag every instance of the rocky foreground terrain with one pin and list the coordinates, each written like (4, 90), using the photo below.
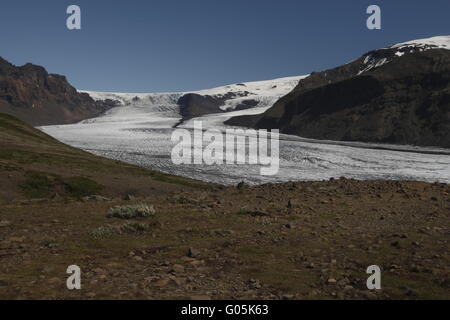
(302, 240)
(305, 240)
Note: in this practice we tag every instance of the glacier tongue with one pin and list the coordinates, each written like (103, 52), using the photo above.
(138, 131)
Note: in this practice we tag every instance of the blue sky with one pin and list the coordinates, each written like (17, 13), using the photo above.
(180, 45)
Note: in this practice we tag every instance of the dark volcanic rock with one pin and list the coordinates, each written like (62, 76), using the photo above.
(34, 96)
(399, 96)
(246, 104)
(195, 105)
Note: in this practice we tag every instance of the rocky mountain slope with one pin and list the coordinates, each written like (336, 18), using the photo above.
(31, 94)
(399, 94)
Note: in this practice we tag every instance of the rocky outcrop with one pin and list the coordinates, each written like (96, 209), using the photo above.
(39, 98)
(195, 105)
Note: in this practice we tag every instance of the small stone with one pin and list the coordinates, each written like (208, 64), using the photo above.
(255, 284)
(99, 198)
(129, 197)
(179, 282)
(412, 293)
(332, 281)
(192, 253)
(46, 269)
(162, 283)
(395, 244)
(178, 268)
(197, 263)
(187, 259)
(348, 288)
(165, 263)
(54, 280)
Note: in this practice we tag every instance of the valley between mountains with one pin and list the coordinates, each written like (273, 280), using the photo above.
(364, 180)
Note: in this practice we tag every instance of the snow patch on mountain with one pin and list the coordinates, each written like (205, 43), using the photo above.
(380, 57)
(162, 109)
(372, 63)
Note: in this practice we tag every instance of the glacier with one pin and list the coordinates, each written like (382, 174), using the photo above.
(138, 131)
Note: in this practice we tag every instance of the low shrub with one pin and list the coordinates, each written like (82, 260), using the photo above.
(131, 211)
(135, 227)
(129, 227)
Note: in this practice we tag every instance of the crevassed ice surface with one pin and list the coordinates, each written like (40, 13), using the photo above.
(139, 132)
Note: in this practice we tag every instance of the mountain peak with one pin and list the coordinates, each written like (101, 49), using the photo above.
(31, 94)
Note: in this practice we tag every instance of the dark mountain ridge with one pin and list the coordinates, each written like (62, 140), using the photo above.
(398, 95)
(33, 95)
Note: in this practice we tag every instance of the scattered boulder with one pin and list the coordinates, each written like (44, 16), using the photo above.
(192, 253)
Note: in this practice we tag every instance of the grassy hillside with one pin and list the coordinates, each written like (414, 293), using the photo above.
(34, 165)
